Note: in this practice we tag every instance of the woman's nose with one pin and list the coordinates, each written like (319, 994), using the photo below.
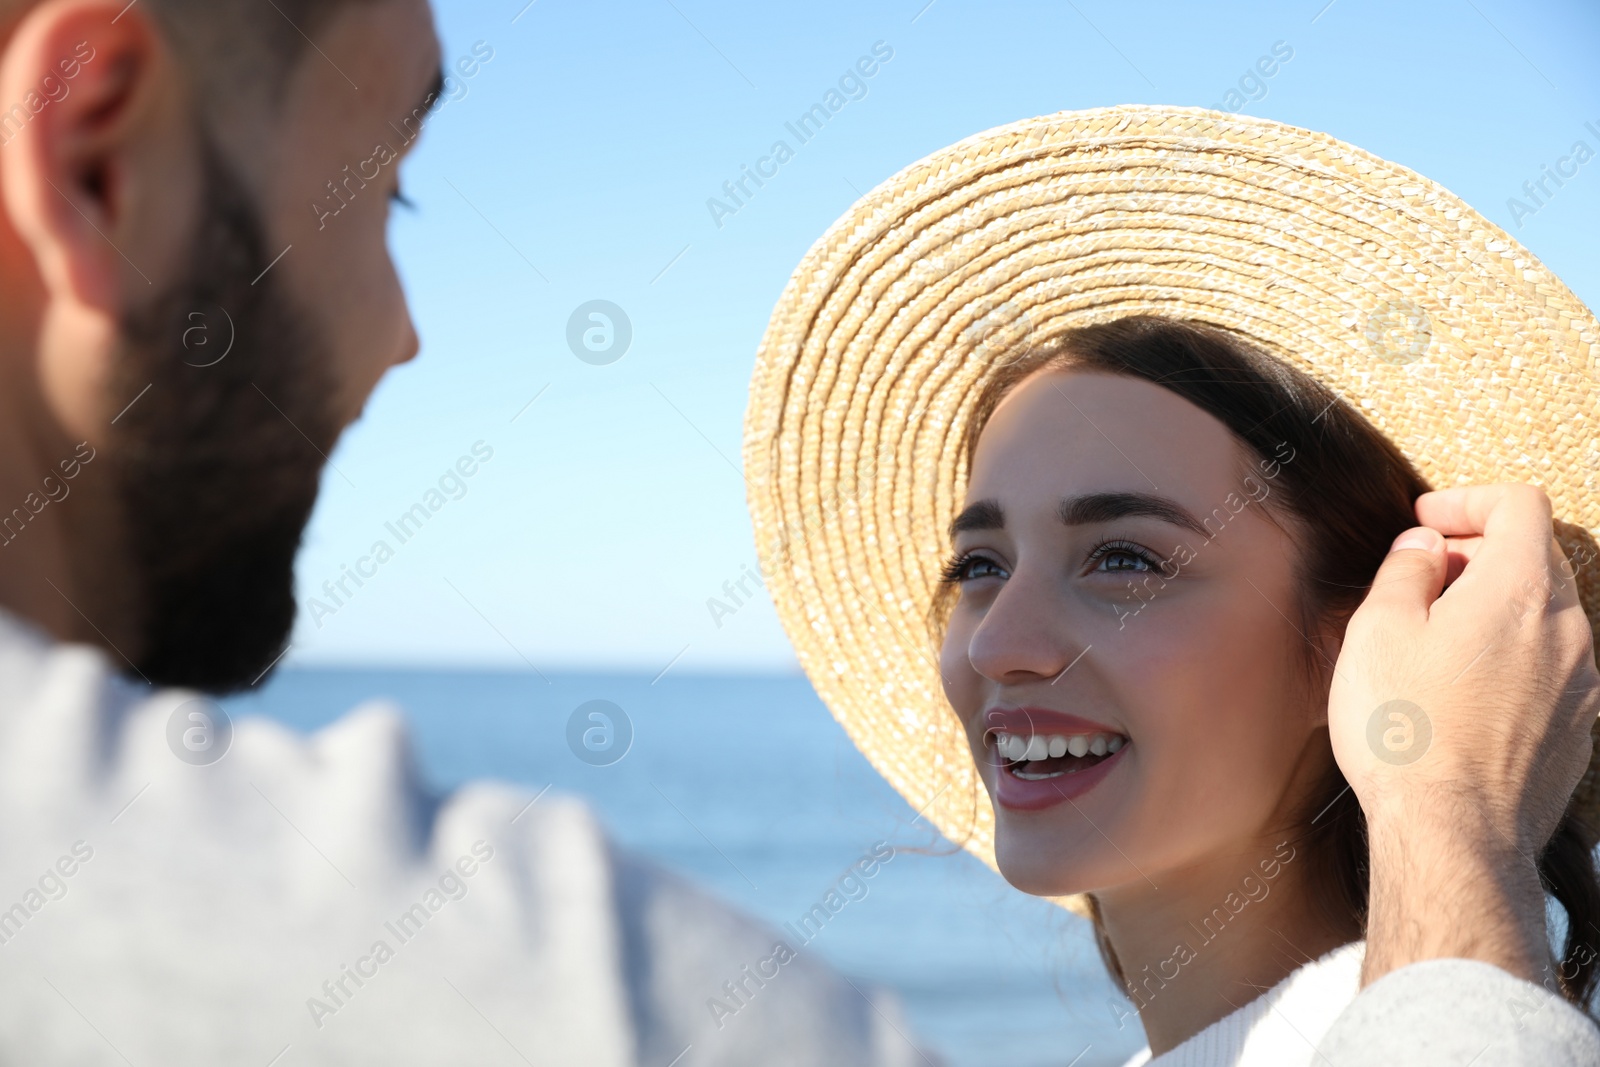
(1025, 633)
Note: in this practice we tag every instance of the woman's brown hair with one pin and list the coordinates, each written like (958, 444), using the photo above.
(1348, 492)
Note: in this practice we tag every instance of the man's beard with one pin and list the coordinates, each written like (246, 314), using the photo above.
(217, 466)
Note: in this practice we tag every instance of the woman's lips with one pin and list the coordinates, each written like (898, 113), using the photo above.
(1043, 757)
(1026, 720)
(1021, 794)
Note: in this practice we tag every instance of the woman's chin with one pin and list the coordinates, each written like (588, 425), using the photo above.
(1044, 876)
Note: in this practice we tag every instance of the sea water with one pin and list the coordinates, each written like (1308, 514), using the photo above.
(747, 786)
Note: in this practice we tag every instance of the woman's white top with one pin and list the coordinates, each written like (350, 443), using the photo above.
(1281, 1027)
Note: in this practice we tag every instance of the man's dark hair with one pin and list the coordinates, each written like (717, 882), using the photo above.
(249, 46)
(234, 49)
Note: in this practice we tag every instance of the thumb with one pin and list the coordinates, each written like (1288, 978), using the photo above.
(1411, 576)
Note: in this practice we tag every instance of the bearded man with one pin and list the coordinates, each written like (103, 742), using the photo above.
(198, 300)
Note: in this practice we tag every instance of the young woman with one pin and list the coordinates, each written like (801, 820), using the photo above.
(1157, 388)
(1163, 534)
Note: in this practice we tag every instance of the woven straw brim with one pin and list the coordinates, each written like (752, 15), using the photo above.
(1444, 332)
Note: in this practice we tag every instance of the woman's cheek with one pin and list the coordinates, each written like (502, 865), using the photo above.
(961, 682)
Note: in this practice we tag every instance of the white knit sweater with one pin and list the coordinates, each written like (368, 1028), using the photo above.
(306, 901)
(1281, 1027)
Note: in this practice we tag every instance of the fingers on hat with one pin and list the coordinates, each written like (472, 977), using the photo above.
(1411, 576)
(1458, 553)
(1509, 513)
(1513, 522)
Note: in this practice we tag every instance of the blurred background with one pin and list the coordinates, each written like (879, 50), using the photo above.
(590, 297)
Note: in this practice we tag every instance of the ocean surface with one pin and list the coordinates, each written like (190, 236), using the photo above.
(747, 786)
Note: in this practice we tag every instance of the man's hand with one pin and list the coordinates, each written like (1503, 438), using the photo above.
(1462, 721)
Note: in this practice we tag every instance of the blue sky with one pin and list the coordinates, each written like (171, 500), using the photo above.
(576, 165)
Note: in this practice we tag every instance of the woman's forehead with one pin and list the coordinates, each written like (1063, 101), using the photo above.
(1068, 432)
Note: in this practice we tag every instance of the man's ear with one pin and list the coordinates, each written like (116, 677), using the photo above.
(94, 140)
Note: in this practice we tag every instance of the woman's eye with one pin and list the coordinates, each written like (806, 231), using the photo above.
(1122, 556)
(969, 568)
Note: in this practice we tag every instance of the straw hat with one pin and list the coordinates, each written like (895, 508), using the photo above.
(1448, 335)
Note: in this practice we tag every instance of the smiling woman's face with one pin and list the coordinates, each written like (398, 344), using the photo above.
(1087, 492)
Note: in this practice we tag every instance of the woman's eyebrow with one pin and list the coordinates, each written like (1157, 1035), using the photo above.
(1104, 507)
(984, 515)
(1084, 509)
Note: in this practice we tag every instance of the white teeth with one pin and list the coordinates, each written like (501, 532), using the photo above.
(1018, 748)
(1010, 746)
